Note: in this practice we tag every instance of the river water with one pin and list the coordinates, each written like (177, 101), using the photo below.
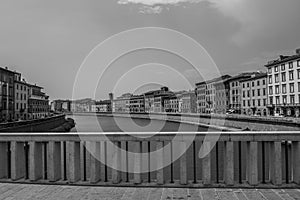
(87, 123)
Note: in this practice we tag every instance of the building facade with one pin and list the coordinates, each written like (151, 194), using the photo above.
(222, 96)
(284, 85)
(201, 97)
(38, 103)
(187, 102)
(137, 104)
(122, 104)
(21, 98)
(6, 94)
(235, 91)
(254, 95)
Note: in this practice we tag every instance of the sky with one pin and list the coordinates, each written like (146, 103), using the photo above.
(49, 42)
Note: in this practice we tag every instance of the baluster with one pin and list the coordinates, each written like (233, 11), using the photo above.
(138, 162)
(206, 165)
(73, 149)
(229, 163)
(35, 161)
(54, 161)
(94, 148)
(103, 171)
(275, 163)
(159, 162)
(83, 167)
(183, 167)
(4, 159)
(296, 162)
(17, 160)
(116, 174)
(252, 164)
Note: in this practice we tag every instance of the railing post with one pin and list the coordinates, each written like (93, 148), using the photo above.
(229, 164)
(206, 165)
(35, 161)
(252, 168)
(54, 161)
(159, 162)
(83, 167)
(296, 162)
(3, 158)
(103, 158)
(17, 160)
(95, 163)
(74, 161)
(116, 174)
(275, 164)
(138, 162)
(183, 167)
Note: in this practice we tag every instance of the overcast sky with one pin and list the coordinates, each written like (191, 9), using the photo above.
(48, 40)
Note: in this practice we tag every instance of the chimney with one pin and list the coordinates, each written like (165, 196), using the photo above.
(298, 51)
(111, 96)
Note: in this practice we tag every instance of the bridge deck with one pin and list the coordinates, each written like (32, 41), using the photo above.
(23, 191)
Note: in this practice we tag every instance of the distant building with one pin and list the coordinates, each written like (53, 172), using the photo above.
(101, 106)
(6, 94)
(213, 95)
(284, 85)
(222, 96)
(82, 105)
(38, 102)
(235, 92)
(122, 103)
(137, 104)
(171, 104)
(254, 95)
(61, 105)
(201, 97)
(187, 102)
(154, 100)
(21, 98)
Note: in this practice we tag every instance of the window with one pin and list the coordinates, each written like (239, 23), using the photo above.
(243, 85)
(283, 77)
(276, 68)
(252, 83)
(270, 90)
(270, 70)
(298, 63)
(249, 103)
(276, 78)
(299, 87)
(264, 92)
(292, 88)
(277, 100)
(258, 92)
(244, 103)
(264, 82)
(248, 93)
(271, 100)
(292, 99)
(282, 67)
(265, 102)
(284, 99)
(253, 102)
(291, 75)
(253, 93)
(298, 73)
(270, 79)
(258, 83)
(248, 84)
(277, 89)
(291, 65)
(284, 88)
(244, 94)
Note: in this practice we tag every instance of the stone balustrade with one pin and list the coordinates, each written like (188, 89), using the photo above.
(245, 159)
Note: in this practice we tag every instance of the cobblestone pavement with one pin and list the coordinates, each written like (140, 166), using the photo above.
(56, 192)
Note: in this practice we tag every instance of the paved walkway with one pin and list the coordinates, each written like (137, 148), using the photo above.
(45, 192)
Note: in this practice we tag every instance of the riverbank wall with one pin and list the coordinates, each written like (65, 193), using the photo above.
(57, 123)
(219, 122)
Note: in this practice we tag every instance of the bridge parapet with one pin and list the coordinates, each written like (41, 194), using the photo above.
(239, 159)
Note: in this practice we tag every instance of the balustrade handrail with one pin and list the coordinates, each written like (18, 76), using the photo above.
(247, 159)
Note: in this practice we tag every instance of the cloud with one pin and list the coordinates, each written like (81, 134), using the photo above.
(155, 6)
